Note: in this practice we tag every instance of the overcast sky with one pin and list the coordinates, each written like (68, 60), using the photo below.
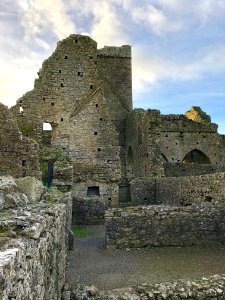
(178, 47)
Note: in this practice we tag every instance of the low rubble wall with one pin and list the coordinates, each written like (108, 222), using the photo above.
(212, 287)
(33, 245)
(163, 225)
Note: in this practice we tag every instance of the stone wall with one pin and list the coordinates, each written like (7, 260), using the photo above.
(180, 135)
(89, 211)
(33, 243)
(18, 153)
(142, 148)
(162, 225)
(179, 190)
(212, 287)
(181, 169)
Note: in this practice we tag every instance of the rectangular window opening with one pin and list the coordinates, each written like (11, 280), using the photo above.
(93, 191)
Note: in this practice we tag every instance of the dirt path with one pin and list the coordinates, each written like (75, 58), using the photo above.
(90, 263)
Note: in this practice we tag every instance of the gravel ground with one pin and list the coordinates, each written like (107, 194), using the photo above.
(90, 263)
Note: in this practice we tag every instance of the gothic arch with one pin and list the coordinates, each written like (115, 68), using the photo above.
(196, 156)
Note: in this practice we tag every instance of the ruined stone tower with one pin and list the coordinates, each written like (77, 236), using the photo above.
(85, 95)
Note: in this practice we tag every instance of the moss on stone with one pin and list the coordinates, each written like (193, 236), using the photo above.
(53, 195)
(198, 115)
(27, 130)
(5, 214)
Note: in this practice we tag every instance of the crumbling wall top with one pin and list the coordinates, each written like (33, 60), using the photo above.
(123, 51)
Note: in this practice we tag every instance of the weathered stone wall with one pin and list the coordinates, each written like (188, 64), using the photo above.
(163, 225)
(180, 135)
(142, 148)
(89, 211)
(181, 169)
(18, 154)
(212, 287)
(144, 191)
(108, 192)
(179, 190)
(33, 244)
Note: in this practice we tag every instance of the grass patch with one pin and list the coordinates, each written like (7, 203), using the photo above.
(4, 214)
(80, 231)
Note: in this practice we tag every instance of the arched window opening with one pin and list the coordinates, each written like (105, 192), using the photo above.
(196, 157)
(164, 158)
(21, 109)
(47, 126)
(130, 161)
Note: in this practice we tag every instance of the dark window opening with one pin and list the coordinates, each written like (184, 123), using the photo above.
(109, 198)
(80, 74)
(76, 41)
(145, 198)
(65, 57)
(196, 157)
(91, 86)
(52, 104)
(95, 133)
(166, 135)
(61, 119)
(96, 105)
(93, 191)
(99, 149)
(130, 161)
(90, 57)
(208, 199)
(60, 71)
(100, 119)
(62, 85)
(24, 162)
(43, 98)
(50, 173)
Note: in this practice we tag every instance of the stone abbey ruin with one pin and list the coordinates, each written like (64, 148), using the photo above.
(152, 179)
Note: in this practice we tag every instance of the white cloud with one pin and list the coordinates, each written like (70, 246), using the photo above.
(155, 18)
(109, 22)
(106, 25)
(148, 69)
(39, 14)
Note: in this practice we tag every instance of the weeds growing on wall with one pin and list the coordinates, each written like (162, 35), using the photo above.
(27, 130)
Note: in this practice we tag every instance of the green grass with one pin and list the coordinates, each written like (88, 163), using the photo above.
(4, 214)
(80, 231)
